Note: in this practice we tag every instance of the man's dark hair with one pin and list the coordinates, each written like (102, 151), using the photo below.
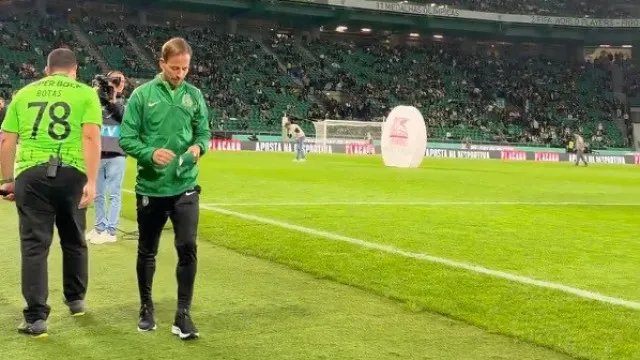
(61, 58)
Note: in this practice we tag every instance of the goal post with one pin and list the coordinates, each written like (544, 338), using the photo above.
(347, 132)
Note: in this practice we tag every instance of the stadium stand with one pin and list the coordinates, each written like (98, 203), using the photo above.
(254, 77)
(245, 87)
(632, 86)
(593, 8)
(26, 40)
(542, 98)
(114, 45)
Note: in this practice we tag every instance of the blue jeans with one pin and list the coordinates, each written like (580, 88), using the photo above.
(300, 154)
(110, 177)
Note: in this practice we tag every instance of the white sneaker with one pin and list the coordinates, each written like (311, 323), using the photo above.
(108, 238)
(103, 238)
(93, 234)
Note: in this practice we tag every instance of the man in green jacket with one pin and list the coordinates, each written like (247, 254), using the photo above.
(165, 128)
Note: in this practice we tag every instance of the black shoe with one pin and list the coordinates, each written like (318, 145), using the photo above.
(184, 327)
(76, 307)
(146, 322)
(37, 329)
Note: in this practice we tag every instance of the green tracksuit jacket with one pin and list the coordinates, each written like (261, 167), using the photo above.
(159, 117)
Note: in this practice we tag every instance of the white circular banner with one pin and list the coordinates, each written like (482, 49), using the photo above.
(404, 137)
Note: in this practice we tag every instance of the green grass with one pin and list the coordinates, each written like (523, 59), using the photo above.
(249, 308)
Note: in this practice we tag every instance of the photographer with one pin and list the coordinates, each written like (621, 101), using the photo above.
(112, 160)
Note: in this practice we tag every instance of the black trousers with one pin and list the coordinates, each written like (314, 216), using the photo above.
(153, 213)
(42, 203)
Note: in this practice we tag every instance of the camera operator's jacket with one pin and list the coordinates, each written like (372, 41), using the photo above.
(158, 117)
(110, 132)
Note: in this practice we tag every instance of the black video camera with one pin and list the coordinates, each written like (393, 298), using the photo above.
(106, 86)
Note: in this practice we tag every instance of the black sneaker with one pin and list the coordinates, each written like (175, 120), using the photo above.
(37, 329)
(146, 322)
(76, 307)
(184, 327)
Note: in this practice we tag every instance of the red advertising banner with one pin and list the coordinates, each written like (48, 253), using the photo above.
(359, 149)
(225, 145)
(547, 156)
(513, 155)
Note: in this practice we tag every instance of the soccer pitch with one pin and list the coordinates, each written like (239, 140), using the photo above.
(459, 259)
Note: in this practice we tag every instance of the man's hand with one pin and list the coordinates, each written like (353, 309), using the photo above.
(10, 188)
(88, 195)
(195, 149)
(163, 156)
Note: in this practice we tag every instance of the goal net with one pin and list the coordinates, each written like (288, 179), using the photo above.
(347, 132)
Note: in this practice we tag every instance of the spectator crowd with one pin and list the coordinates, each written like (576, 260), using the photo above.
(251, 82)
(573, 8)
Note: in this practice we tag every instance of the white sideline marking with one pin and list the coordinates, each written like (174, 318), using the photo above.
(451, 263)
(585, 294)
(426, 203)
